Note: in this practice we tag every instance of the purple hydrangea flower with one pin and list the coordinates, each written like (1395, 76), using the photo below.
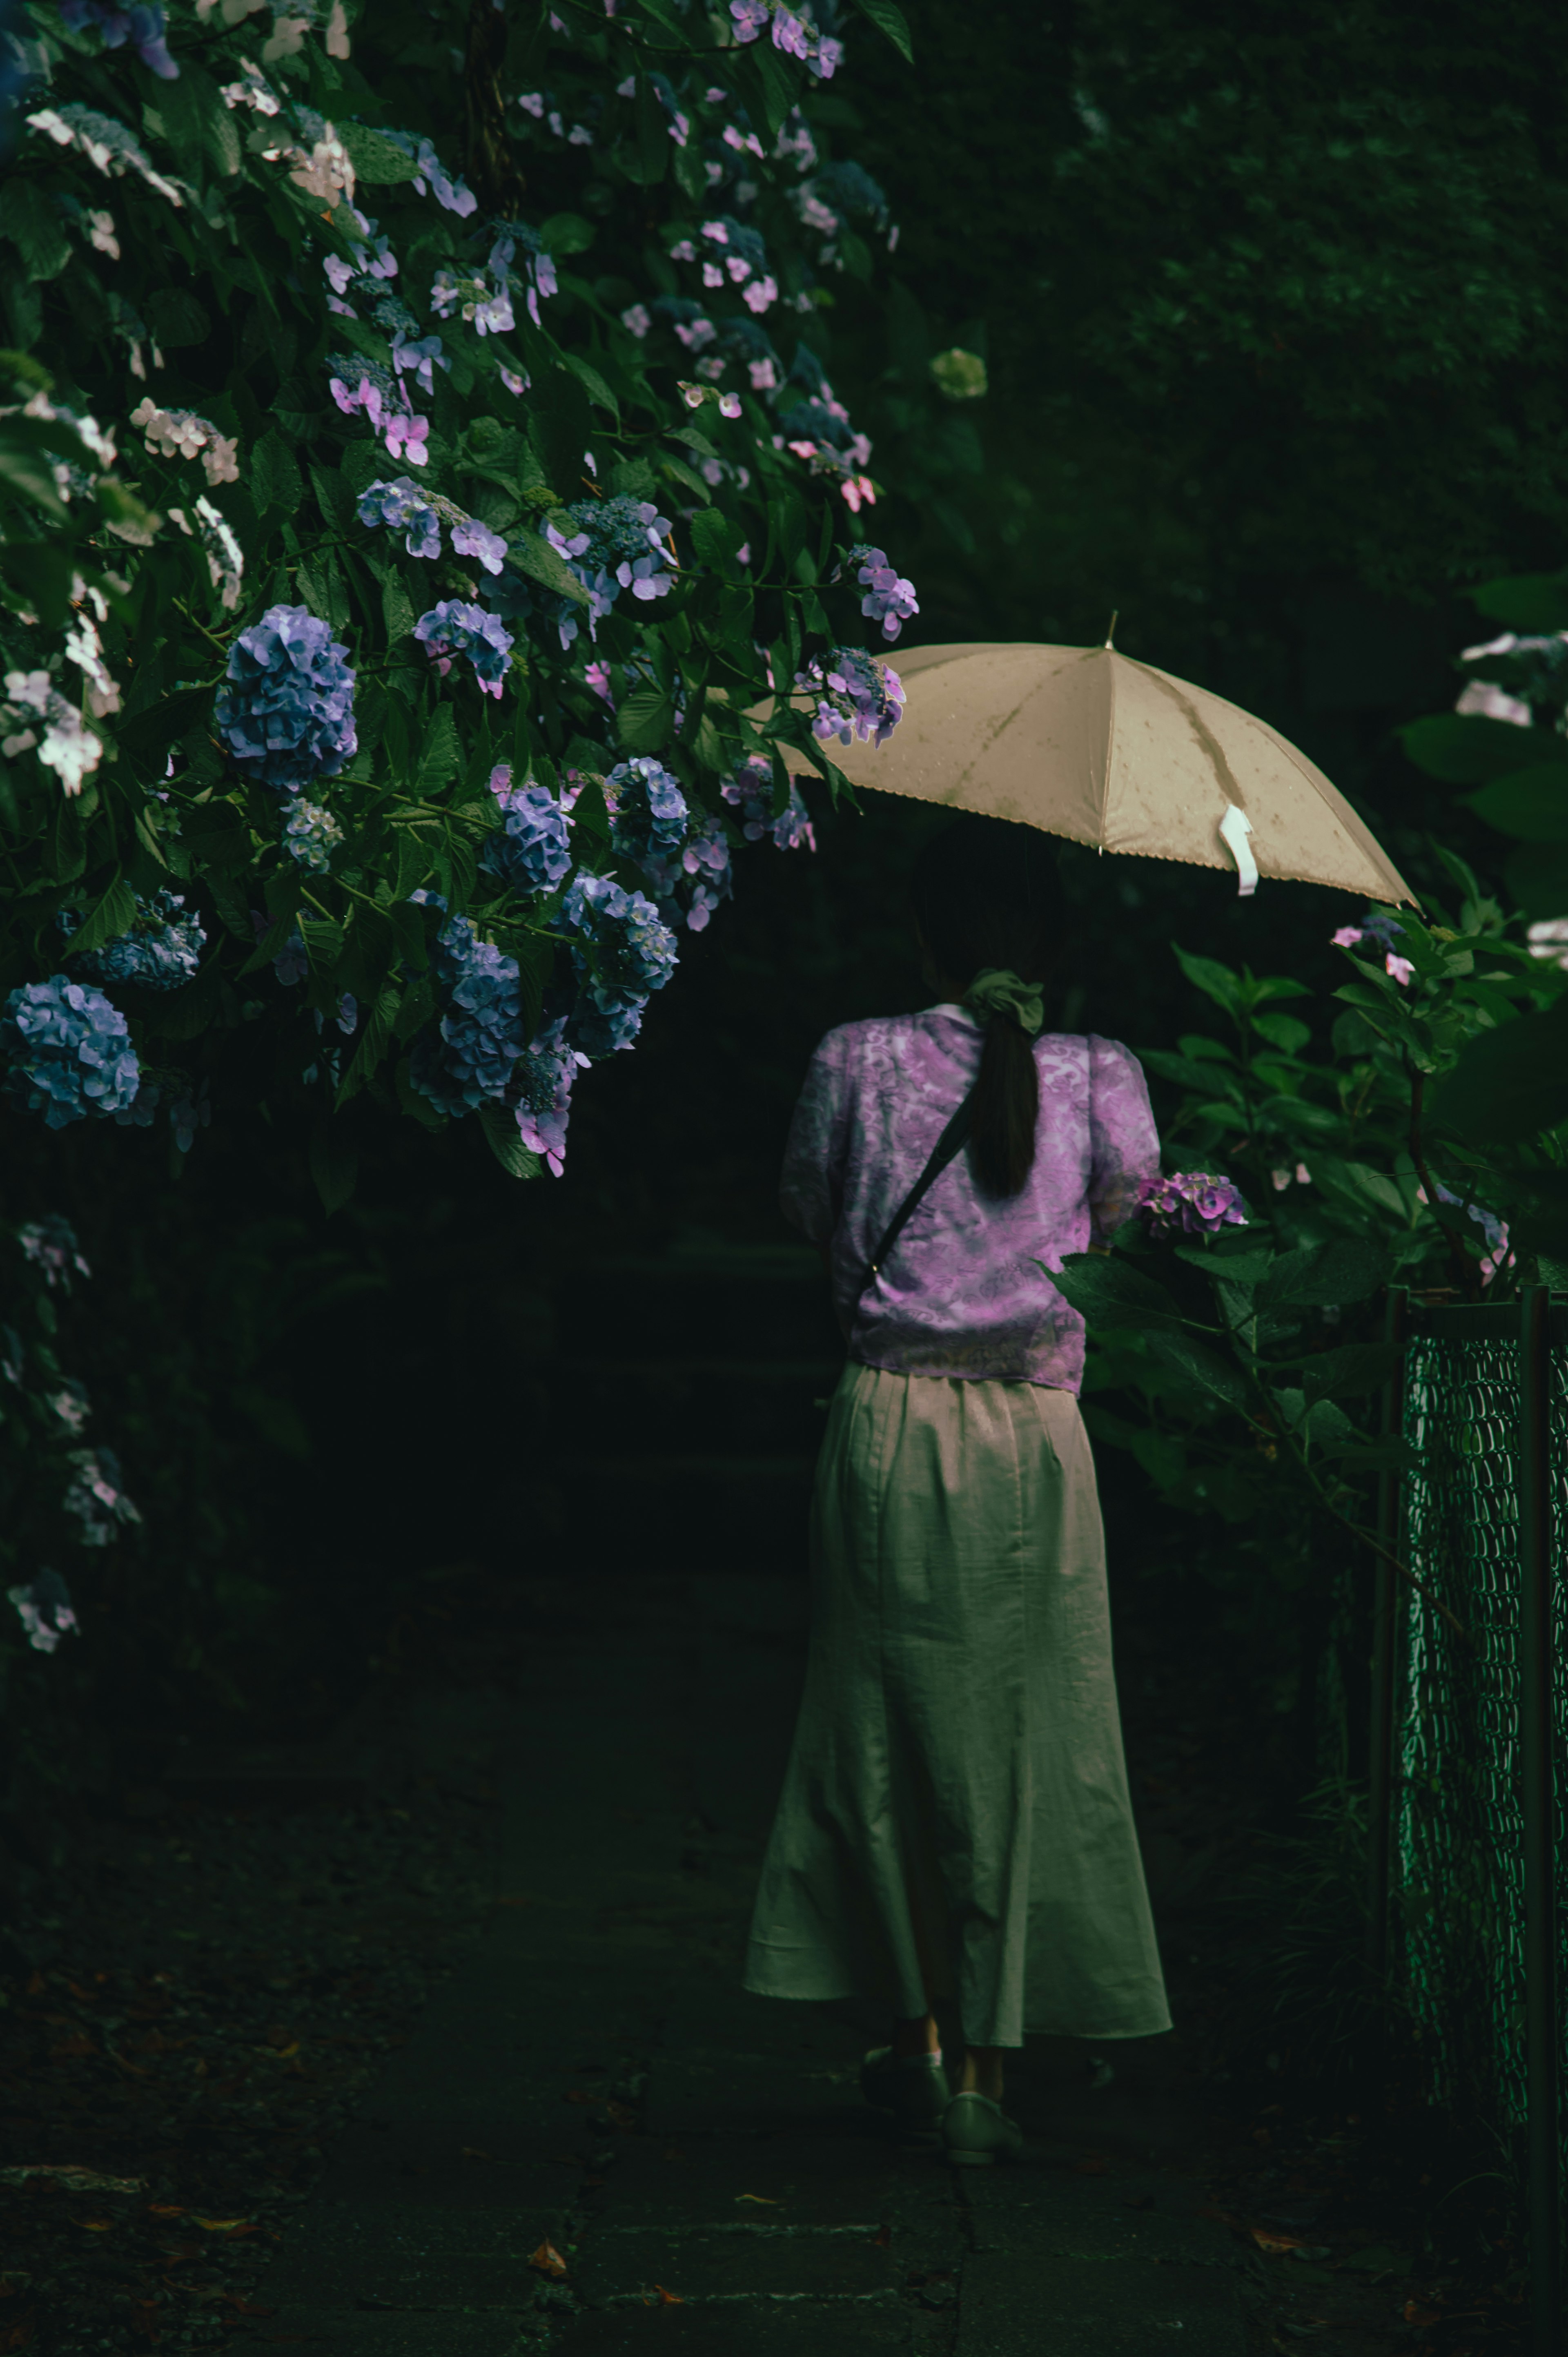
(161, 950)
(142, 27)
(534, 847)
(454, 628)
(856, 698)
(446, 186)
(1191, 1202)
(889, 599)
(286, 713)
(541, 1085)
(402, 507)
(69, 1052)
(1374, 938)
(472, 538)
(95, 1496)
(708, 878)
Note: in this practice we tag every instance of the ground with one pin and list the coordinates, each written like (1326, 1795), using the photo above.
(445, 2055)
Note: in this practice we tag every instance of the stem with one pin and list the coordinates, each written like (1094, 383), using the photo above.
(1464, 1269)
(487, 150)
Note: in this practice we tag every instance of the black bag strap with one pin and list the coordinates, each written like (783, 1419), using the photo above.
(951, 1142)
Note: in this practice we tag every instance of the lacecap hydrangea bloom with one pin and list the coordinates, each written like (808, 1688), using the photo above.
(141, 28)
(856, 697)
(749, 790)
(68, 1050)
(533, 849)
(542, 1086)
(889, 599)
(624, 952)
(611, 546)
(162, 949)
(404, 507)
(311, 834)
(1192, 1203)
(286, 712)
(1374, 937)
(706, 878)
(51, 1245)
(44, 1607)
(454, 628)
(465, 1058)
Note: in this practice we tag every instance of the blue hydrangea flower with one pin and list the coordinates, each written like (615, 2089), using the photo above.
(142, 27)
(68, 1051)
(465, 1060)
(454, 628)
(286, 714)
(534, 849)
(310, 835)
(624, 953)
(161, 950)
(541, 1087)
(707, 880)
(650, 819)
(446, 187)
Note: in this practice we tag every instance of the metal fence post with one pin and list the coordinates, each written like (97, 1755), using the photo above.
(1538, 1811)
(1380, 1722)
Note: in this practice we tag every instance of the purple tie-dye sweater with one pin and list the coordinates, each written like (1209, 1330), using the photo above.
(962, 1293)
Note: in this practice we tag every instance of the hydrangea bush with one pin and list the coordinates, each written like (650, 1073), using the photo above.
(430, 548)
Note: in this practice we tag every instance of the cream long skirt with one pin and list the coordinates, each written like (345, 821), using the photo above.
(955, 1820)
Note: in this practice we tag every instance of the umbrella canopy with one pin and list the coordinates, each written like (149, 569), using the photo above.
(1085, 742)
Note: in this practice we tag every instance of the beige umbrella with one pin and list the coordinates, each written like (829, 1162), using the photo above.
(1084, 742)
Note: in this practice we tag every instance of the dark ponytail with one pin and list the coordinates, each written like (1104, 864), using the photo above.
(987, 894)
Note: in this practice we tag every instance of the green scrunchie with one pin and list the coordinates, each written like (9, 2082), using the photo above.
(995, 991)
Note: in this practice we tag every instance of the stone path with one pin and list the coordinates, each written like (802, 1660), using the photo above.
(700, 2160)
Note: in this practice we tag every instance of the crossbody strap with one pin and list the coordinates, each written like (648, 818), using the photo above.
(951, 1142)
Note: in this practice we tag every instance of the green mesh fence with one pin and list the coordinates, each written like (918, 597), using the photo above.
(1459, 1907)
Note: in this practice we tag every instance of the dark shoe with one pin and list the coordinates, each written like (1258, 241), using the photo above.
(913, 2088)
(977, 2132)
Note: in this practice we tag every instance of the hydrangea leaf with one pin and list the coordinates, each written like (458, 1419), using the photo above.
(1110, 1292)
(532, 555)
(1345, 1269)
(113, 913)
(889, 19)
(501, 1136)
(373, 1043)
(334, 1164)
(1464, 749)
(34, 228)
(438, 756)
(176, 318)
(647, 719)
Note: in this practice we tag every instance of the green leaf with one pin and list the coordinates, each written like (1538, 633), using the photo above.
(323, 942)
(687, 477)
(531, 553)
(593, 384)
(567, 233)
(1215, 980)
(1239, 1268)
(1526, 601)
(112, 914)
(195, 117)
(1463, 749)
(1347, 1268)
(1509, 1083)
(26, 469)
(652, 133)
(714, 537)
(501, 1136)
(1286, 1031)
(418, 1108)
(646, 720)
(1357, 1183)
(559, 427)
(176, 318)
(375, 1041)
(34, 228)
(275, 477)
(374, 158)
(334, 1164)
(1109, 1291)
(1530, 802)
(889, 20)
(778, 85)
(439, 755)
(1203, 1373)
(1539, 880)
(1347, 1374)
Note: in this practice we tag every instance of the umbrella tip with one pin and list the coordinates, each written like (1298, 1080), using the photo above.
(1111, 633)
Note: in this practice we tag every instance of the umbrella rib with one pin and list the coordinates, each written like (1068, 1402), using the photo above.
(1200, 729)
